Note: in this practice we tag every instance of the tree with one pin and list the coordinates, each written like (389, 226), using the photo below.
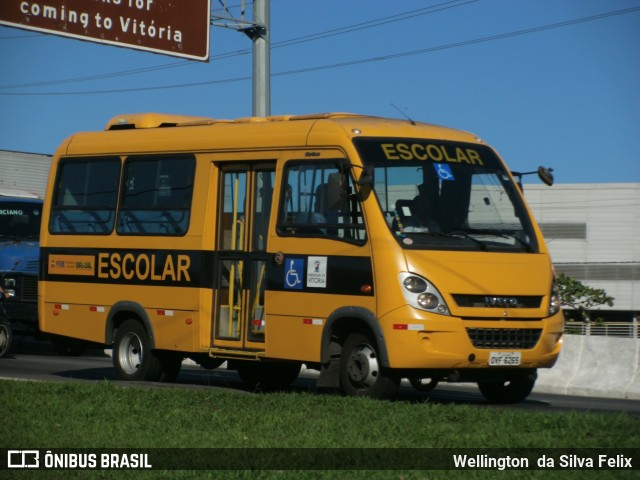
(577, 296)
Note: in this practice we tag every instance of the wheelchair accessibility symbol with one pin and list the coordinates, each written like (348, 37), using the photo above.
(293, 275)
(444, 171)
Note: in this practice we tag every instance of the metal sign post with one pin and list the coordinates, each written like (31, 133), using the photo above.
(258, 31)
(261, 60)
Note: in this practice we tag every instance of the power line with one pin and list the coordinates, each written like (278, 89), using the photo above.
(352, 62)
(226, 8)
(375, 23)
(98, 76)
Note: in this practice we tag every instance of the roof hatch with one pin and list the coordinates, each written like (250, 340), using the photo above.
(154, 120)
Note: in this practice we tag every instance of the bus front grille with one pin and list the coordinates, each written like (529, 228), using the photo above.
(501, 338)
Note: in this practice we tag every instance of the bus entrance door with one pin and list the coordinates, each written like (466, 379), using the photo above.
(246, 192)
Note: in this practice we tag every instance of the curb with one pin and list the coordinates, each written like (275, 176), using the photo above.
(594, 366)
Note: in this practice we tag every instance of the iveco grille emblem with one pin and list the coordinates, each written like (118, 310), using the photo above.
(500, 302)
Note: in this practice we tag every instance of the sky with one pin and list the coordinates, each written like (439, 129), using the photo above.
(545, 82)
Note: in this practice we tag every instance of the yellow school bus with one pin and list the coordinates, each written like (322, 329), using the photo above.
(370, 249)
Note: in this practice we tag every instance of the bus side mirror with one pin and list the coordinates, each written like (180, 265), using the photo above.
(337, 190)
(366, 177)
(545, 175)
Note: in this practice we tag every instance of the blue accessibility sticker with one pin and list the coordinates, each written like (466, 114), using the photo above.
(444, 171)
(294, 270)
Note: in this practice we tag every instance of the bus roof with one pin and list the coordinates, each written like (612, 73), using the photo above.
(146, 132)
(160, 120)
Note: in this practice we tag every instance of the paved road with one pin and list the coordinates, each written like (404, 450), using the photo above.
(33, 360)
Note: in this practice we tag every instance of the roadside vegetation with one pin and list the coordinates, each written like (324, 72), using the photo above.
(103, 415)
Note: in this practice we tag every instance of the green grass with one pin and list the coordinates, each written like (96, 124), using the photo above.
(102, 415)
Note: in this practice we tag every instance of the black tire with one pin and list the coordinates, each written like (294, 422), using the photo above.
(209, 363)
(423, 384)
(513, 390)
(6, 336)
(133, 358)
(171, 364)
(360, 370)
(268, 376)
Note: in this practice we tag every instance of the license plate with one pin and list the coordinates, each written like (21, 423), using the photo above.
(504, 359)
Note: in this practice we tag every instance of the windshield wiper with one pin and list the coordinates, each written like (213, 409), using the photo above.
(500, 234)
(527, 246)
(463, 234)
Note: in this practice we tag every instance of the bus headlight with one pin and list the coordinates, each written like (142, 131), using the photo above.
(422, 294)
(415, 284)
(554, 299)
(428, 301)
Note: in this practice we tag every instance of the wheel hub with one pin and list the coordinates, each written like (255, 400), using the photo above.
(363, 366)
(131, 354)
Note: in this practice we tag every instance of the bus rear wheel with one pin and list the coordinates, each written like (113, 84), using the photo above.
(515, 389)
(360, 371)
(132, 355)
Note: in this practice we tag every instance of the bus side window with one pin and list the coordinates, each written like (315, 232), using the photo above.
(304, 205)
(85, 196)
(156, 195)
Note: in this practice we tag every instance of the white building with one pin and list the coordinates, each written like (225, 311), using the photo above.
(593, 234)
(24, 171)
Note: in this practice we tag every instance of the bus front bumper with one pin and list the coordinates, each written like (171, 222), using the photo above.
(425, 342)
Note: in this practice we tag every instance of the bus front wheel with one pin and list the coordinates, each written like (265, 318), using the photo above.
(360, 371)
(513, 390)
(132, 355)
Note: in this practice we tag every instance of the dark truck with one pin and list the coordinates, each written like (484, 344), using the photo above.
(20, 215)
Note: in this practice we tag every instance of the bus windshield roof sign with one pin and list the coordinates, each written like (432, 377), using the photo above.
(439, 152)
(173, 28)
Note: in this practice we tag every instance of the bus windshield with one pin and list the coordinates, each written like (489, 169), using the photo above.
(444, 195)
(20, 221)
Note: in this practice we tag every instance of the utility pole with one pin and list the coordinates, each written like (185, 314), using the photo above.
(258, 31)
(261, 60)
